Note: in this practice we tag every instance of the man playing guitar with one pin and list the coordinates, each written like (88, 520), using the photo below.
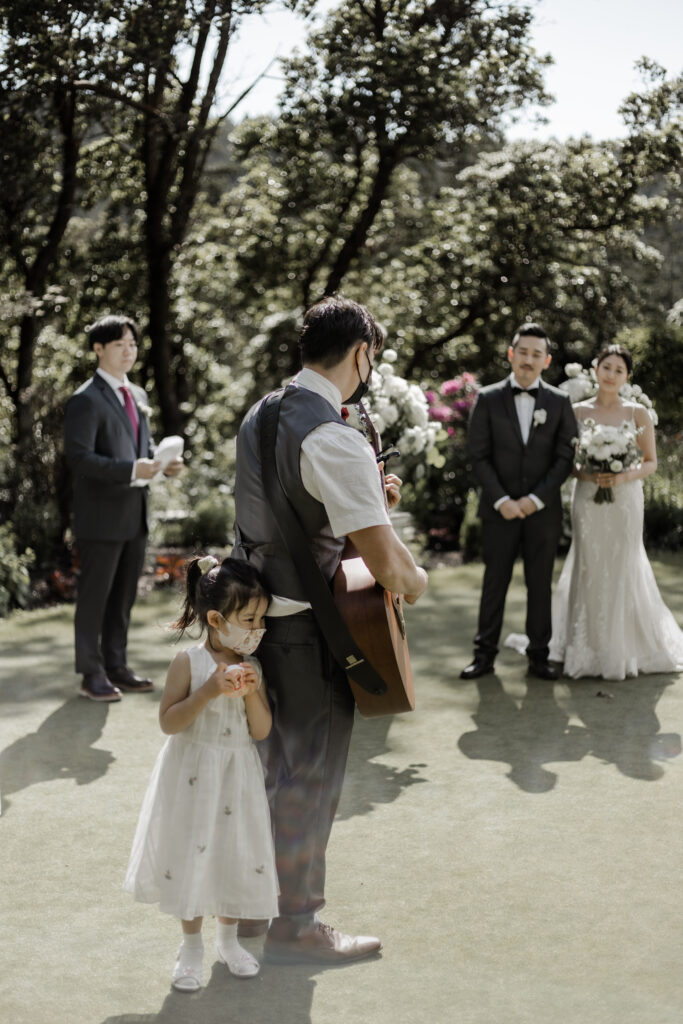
(330, 475)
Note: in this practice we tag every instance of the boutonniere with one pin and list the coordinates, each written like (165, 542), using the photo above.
(540, 416)
(144, 409)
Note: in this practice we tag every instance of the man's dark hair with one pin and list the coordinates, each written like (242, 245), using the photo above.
(535, 330)
(332, 326)
(110, 328)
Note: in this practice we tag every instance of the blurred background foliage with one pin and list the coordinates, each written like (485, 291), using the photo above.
(385, 174)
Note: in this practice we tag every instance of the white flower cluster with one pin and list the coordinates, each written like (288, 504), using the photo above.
(601, 446)
(582, 384)
(400, 413)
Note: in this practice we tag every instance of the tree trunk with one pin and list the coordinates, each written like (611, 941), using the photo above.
(359, 233)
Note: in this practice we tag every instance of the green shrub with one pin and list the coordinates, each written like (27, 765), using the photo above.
(15, 584)
(470, 529)
(663, 514)
(209, 522)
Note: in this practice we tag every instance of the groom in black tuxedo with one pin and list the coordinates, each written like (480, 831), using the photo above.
(520, 441)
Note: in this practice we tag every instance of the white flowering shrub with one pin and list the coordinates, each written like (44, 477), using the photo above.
(400, 414)
(582, 384)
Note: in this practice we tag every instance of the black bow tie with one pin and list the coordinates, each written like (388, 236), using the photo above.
(524, 391)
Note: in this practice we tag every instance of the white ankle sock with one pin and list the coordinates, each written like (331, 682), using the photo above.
(237, 958)
(187, 974)
(226, 937)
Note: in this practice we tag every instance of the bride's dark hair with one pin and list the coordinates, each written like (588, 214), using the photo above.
(616, 350)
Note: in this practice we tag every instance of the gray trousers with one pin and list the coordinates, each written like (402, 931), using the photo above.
(304, 755)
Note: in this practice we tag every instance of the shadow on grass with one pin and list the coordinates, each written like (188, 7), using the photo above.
(368, 782)
(619, 727)
(283, 994)
(525, 734)
(61, 748)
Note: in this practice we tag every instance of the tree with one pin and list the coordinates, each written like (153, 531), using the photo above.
(385, 83)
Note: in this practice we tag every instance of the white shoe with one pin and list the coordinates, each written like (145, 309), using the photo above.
(187, 974)
(239, 962)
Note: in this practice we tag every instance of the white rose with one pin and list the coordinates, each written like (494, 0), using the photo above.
(389, 414)
(573, 369)
(389, 355)
(616, 466)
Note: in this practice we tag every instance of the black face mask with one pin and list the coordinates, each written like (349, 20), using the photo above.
(362, 389)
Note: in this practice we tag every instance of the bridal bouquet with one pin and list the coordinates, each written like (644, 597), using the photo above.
(604, 449)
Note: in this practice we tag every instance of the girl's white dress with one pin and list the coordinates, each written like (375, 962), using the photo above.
(203, 843)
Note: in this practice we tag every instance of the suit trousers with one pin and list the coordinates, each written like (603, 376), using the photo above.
(107, 587)
(304, 756)
(536, 538)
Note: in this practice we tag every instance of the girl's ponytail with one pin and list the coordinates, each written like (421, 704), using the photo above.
(188, 615)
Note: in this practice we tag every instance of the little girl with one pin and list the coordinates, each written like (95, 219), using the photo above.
(203, 843)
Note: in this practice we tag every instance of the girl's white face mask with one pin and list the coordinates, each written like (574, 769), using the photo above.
(239, 639)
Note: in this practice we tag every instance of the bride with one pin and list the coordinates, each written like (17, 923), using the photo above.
(609, 618)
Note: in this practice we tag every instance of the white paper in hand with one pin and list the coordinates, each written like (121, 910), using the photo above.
(168, 449)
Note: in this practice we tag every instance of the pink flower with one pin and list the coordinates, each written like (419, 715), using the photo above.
(441, 413)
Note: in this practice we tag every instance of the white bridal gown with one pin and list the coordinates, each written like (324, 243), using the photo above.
(609, 618)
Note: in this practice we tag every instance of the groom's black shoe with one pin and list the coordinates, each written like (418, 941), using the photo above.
(480, 666)
(542, 670)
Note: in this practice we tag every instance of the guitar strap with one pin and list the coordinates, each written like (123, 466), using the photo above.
(345, 651)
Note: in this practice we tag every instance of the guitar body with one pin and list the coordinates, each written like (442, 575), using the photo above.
(375, 620)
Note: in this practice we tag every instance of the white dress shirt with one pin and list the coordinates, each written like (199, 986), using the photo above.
(115, 384)
(524, 404)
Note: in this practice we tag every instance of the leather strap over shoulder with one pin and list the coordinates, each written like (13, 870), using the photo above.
(344, 650)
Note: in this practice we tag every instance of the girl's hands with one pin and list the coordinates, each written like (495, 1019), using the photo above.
(225, 679)
(250, 679)
(233, 680)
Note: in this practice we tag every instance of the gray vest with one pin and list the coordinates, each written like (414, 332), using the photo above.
(257, 535)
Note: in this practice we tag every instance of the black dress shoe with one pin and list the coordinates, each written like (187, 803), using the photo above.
(315, 943)
(126, 679)
(542, 670)
(96, 686)
(479, 667)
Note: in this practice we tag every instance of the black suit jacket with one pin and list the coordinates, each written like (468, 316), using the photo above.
(99, 444)
(501, 461)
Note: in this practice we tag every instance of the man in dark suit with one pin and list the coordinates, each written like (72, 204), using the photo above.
(108, 449)
(520, 440)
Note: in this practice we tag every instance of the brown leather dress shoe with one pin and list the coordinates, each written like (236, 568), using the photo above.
(315, 943)
(126, 679)
(96, 686)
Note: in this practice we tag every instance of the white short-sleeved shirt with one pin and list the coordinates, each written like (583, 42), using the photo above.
(339, 469)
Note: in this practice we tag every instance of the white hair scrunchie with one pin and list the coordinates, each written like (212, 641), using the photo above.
(206, 563)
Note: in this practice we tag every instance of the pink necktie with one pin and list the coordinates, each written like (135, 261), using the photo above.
(129, 406)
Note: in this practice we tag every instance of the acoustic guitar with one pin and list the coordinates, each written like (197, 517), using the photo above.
(374, 617)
